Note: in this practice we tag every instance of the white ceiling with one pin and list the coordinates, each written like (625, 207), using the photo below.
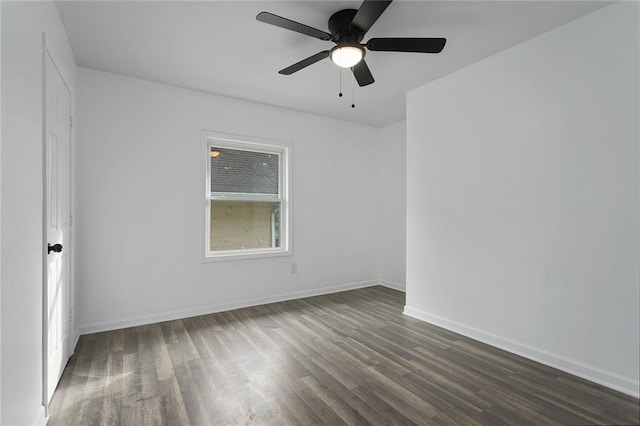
(219, 47)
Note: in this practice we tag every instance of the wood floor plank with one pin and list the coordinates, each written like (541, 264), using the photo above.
(172, 406)
(346, 410)
(346, 358)
(112, 406)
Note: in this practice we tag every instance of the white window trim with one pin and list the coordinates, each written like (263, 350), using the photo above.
(211, 138)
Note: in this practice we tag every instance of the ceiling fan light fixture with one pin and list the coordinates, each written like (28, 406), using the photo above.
(347, 55)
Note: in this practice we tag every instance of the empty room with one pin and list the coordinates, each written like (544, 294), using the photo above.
(319, 212)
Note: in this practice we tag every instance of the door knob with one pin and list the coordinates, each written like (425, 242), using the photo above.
(55, 248)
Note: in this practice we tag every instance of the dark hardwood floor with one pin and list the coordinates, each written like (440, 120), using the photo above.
(350, 357)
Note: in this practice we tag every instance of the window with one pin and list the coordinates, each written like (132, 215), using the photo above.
(247, 198)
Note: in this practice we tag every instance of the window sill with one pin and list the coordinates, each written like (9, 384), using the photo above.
(223, 256)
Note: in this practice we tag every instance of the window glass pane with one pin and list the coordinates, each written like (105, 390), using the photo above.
(244, 225)
(243, 172)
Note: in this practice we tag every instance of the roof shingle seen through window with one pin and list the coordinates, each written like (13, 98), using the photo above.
(245, 172)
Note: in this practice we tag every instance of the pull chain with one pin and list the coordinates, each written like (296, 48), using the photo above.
(340, 73)
(353, 96)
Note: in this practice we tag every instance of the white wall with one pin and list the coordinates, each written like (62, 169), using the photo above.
(0, 212)
(139, 203)
(391, 204)
(22, 26)
(523, 204)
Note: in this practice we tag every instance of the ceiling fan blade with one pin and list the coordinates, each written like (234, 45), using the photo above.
(362, 74)
(305, 63)
(288, 24)
(422, 45)
(368, 14)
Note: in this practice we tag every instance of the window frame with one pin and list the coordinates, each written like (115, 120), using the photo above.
(245, 143)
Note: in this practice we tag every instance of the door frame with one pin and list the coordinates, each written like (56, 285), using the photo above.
(47, 53)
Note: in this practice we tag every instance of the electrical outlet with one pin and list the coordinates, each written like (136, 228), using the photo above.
(294, 268)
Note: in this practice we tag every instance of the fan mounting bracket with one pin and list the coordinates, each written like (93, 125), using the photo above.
(341, 29)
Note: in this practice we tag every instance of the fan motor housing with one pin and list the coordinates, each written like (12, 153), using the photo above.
(341, 29)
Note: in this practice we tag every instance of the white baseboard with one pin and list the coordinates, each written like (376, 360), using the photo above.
(40, 419)
(75, 341)
(210, 309)
(393, 285)
(606, 378)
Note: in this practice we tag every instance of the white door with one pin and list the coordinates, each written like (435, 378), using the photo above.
(57, 172)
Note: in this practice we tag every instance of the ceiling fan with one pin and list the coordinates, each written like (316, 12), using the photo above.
(347, 29)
